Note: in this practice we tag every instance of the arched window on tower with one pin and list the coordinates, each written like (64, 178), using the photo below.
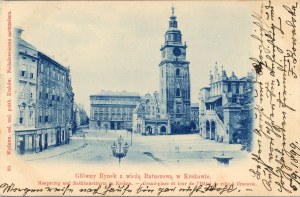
(178, 109)
(178, 92)
(178, 72)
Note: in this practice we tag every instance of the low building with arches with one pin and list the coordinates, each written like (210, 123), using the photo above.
(222, 105)
(146, 117)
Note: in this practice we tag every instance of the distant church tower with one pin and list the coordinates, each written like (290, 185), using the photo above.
(174, 76)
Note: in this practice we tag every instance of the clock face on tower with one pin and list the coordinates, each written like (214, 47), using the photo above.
(177, 51)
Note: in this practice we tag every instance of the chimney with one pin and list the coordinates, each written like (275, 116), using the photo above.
(18, 33)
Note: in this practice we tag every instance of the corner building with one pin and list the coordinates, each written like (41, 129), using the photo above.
(44, 99)
(174, 76)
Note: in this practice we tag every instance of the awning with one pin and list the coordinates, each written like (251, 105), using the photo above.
(213, 99)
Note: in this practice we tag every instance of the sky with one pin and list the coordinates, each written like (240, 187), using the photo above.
(116, 45)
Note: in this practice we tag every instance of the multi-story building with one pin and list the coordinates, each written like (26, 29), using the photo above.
(112, 110)
(80, 115)
(54, 103)
(222, 106)
(195, 116)
(147, 119)
(44, 99)
(174, 77)
(25, 60)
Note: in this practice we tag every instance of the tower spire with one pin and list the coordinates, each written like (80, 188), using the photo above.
(173, 22)
(173, 9)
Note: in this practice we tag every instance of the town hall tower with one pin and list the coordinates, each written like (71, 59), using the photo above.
(174, 76)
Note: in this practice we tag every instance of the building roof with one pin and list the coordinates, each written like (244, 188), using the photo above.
(232, 105)
(26, 44)
(116, 93)
(213, 99)
(42, 54)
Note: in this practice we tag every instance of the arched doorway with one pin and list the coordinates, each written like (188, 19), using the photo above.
(119, 126)
(149, 130)
(57, 137)
(207, 129)
(112, 125)
(213, 130)
(163, 130)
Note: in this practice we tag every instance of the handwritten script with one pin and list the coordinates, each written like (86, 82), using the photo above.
(11, 188)
(277, 154)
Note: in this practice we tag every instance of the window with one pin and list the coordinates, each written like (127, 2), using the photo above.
(21, 119)
(62, 115)
(40, 115)
(22, 90)
(32, 92)
(48, 71)
(178, 72)
(46, 116)
(31, 117)
(23, 73)
(42, 68)
(177, 92)
(178, 109)
(237, 88)
(57, 114)
(47, 93)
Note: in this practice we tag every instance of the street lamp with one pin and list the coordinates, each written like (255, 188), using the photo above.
(120, 154)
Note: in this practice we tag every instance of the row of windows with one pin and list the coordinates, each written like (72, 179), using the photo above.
(27, 71)
(50, 97)
(23, 91)
(51, 116)
(112, 109)
(173, 37)
(24, 74)
(114, 101)
(44, 116)
(52, 73)
(33, 60)
(22, 117)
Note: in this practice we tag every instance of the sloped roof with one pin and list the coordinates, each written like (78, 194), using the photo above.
(232, 105)
(213, 99)
(26, 44)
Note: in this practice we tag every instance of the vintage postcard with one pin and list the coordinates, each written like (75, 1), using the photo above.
(150, 98)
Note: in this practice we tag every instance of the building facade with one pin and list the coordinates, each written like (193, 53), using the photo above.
(80, 115)
(147, 119)
(112, 110)
(174, 76)
(44, 99)
(26, 58)
(222, 106)
(54, 103)
(194, 116)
